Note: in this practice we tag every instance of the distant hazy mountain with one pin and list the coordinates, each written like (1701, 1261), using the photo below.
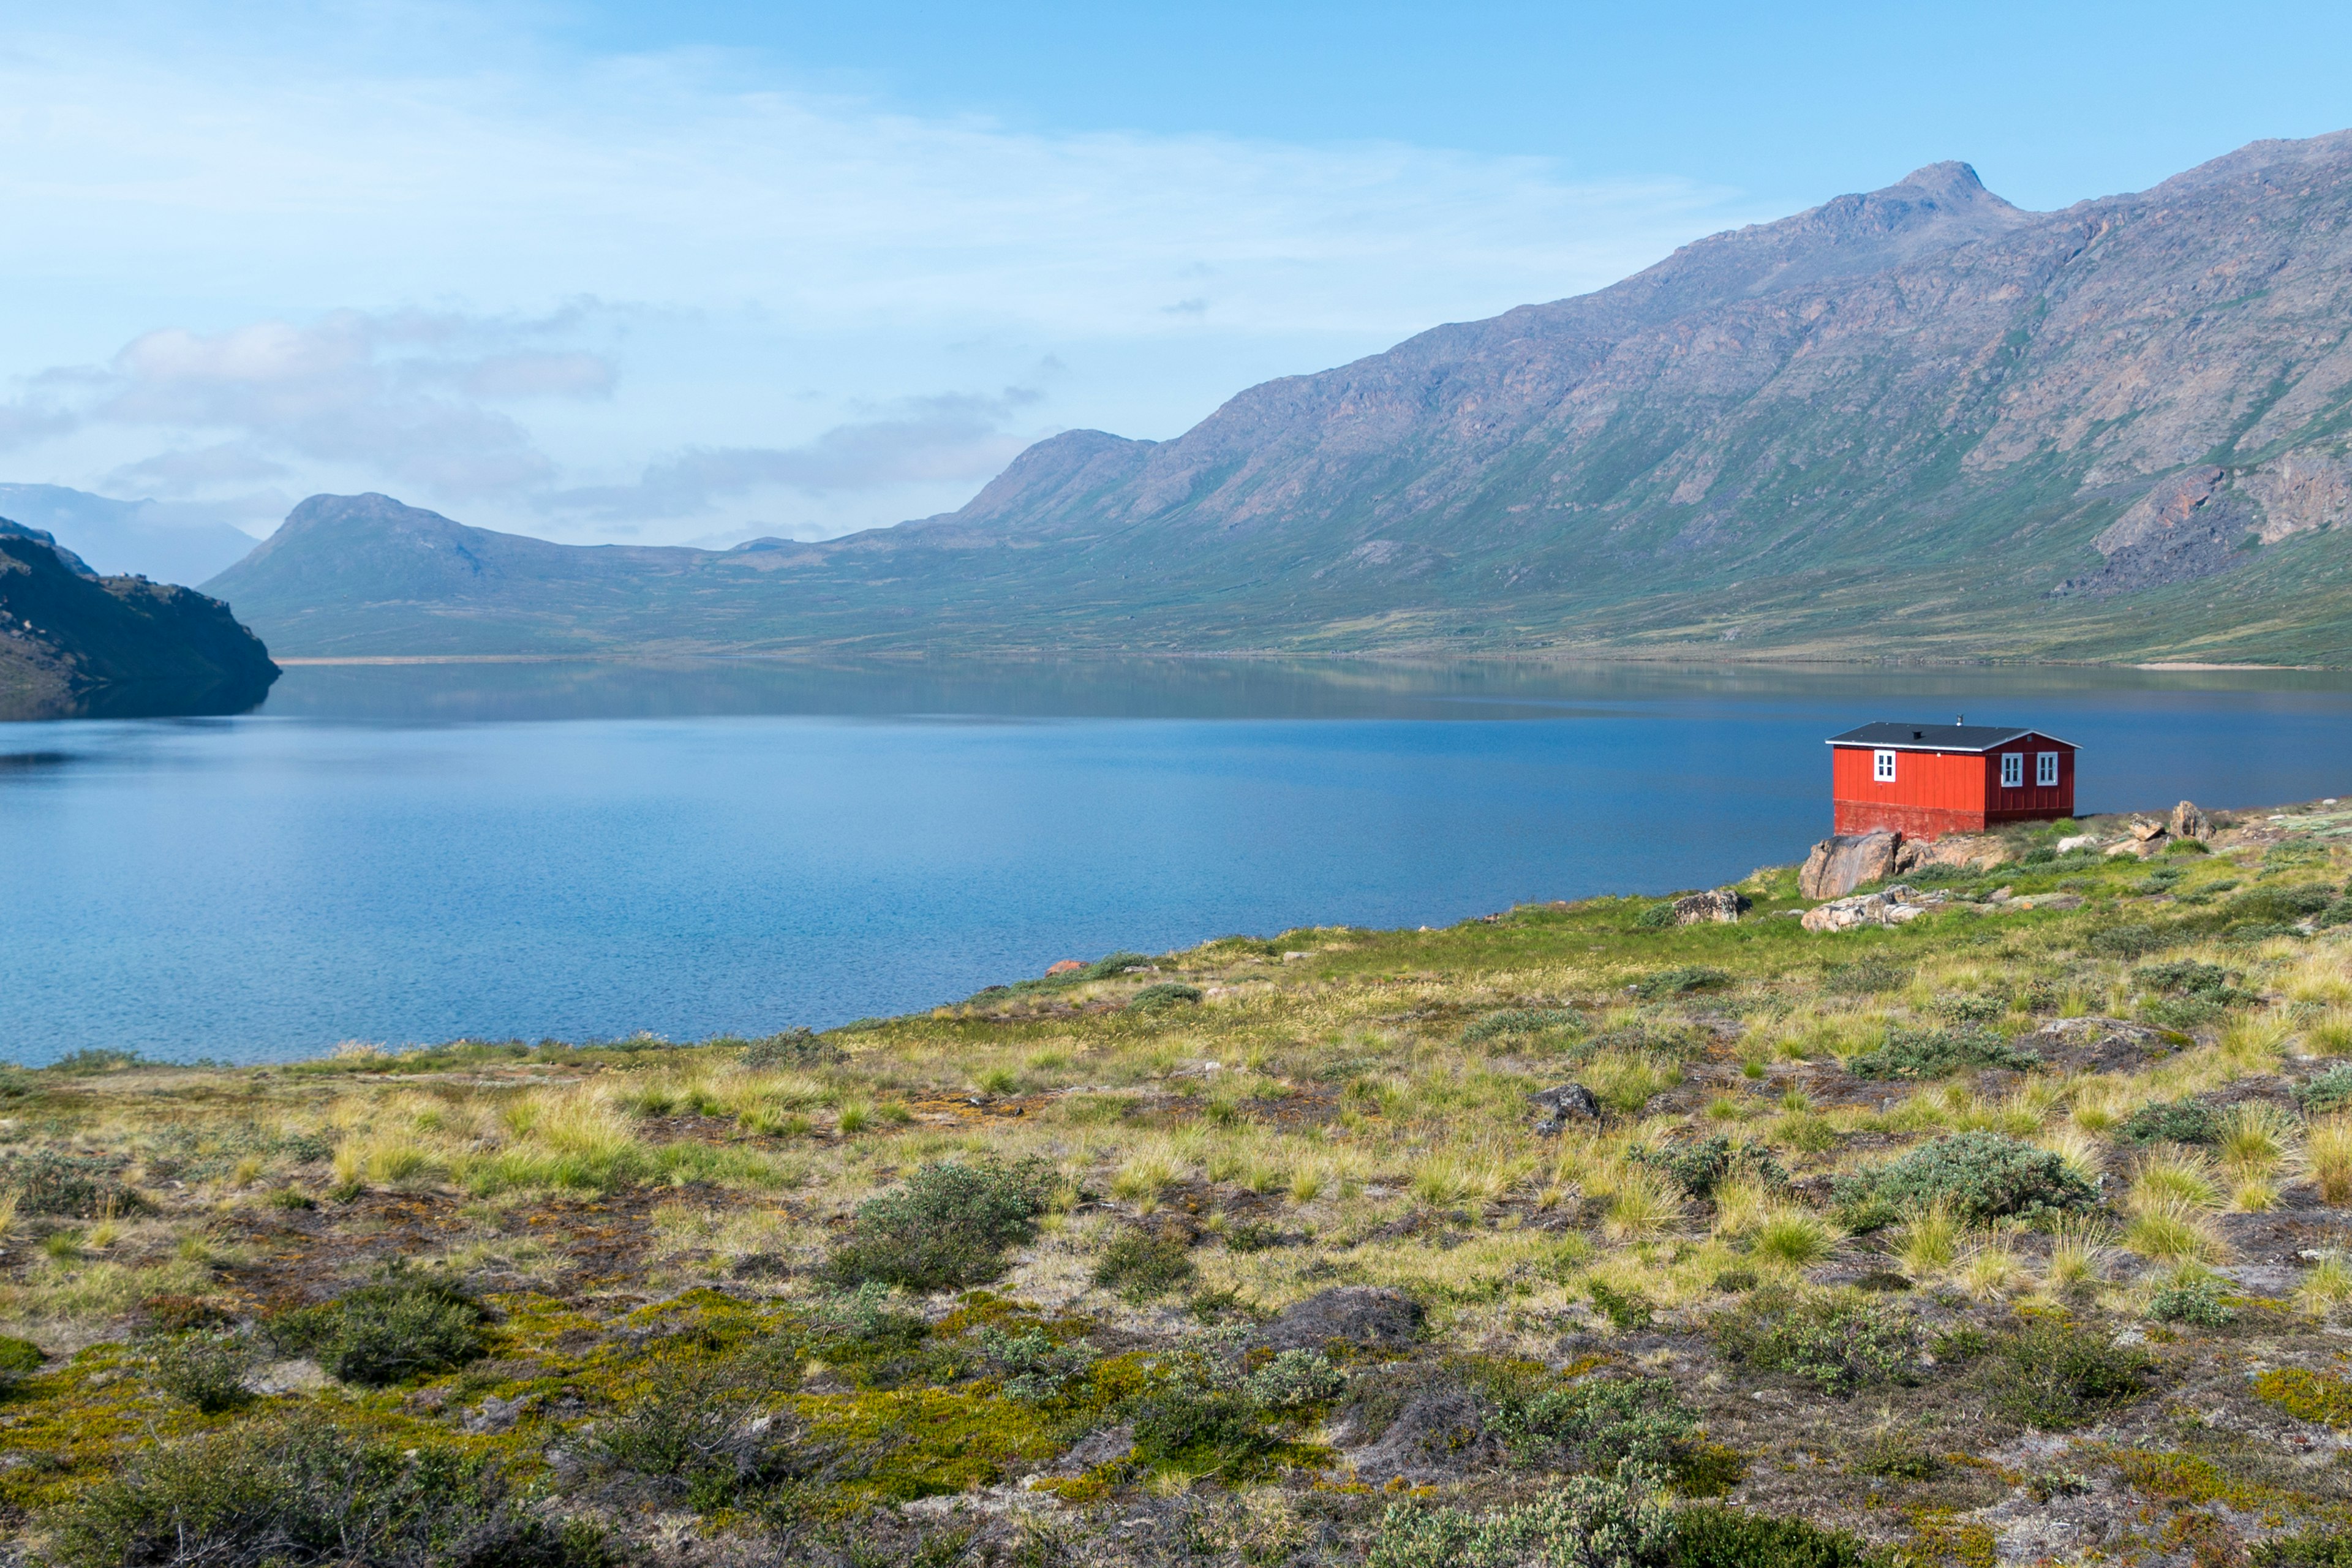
(73, 643)
(153, 539)
(1919, 421)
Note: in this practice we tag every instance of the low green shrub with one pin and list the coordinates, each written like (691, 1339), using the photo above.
(1036, 1367)
(2190, 994)
(1167, 994)
(2045, 1484)
(1108, 966)
(1141, 1267)
(1699, 1167)
(298, 1491)
(693, 1424)
(70, 1186)
(206, 1368)
(1682, 981)
(1865, 976)
(2197, 1302)
(1914, 1054)
(1253, 1236)
(1896, 1457)
(2185, 977)
(20, 1359)
(1593, 1521)
(862, 1321)
(1838, 1343)
(2313, 1549)
(1596, 1423)
(2331, 1091)
(1624, 1309)
(1297, 1380)
(1513, 1022)
(2127, 940)
(949, 1224)
(2055, 1374)
(1659, 916)
(2171, 1121)
(1978, 1176)
(2281, 905)
(405, 1324)
(1711, 1537)
(2188, 846)
(1972, 1009)
(94, 1061)
(1200, 1427)
(801, 1047)
(2179, 1013)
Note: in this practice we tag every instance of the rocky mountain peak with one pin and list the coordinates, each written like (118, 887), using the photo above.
(1950, 180)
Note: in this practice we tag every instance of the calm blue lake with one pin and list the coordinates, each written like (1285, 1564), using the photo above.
(412, 854)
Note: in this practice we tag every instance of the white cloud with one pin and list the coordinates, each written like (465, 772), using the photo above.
(389, 278)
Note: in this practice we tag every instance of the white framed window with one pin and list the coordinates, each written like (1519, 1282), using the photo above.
(1882, 766)
(2013, 770)
(2045, 768)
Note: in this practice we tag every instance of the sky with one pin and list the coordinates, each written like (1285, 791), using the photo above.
(688, 273)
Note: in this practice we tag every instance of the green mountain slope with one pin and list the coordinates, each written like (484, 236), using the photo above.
(1916, 421)
(73, 644)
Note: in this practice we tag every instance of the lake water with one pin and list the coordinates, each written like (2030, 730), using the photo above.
(404, 854)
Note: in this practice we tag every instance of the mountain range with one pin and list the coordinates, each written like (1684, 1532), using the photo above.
(1919, 421)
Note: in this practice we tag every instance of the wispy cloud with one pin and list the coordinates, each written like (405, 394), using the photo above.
(772, 243)
(407, 396)
(952, 438)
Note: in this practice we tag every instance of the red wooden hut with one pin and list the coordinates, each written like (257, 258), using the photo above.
(1927, 780)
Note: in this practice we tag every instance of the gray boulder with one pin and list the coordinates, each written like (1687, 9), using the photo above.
(1721, 907)
(1559, 1107)
(2187, 822)
(1844, 861)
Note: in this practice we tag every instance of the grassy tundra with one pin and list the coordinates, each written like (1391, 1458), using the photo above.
(2010, 1234)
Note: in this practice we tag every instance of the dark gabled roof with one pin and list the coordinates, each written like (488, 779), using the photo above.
(1900, 737)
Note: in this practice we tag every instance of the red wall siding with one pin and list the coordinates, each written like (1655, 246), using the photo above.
(1935, 793)
(1938, 780)
(2033, 801)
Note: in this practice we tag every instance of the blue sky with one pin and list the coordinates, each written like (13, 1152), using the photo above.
(678, 272)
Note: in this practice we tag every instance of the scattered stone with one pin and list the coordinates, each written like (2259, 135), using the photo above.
(1108, 1447)
(2145, 828)
(495, 1414)
(1568, 1103)
(300, 1376)
(2142, 848)
(2073, 842)
(1368, 1317)
(1066, 967)
(2096, 1044)
(1844, 861)
(2000, 896)
(1891, 908)
(2187, 822)
(1721, 907)
(1970, 851)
